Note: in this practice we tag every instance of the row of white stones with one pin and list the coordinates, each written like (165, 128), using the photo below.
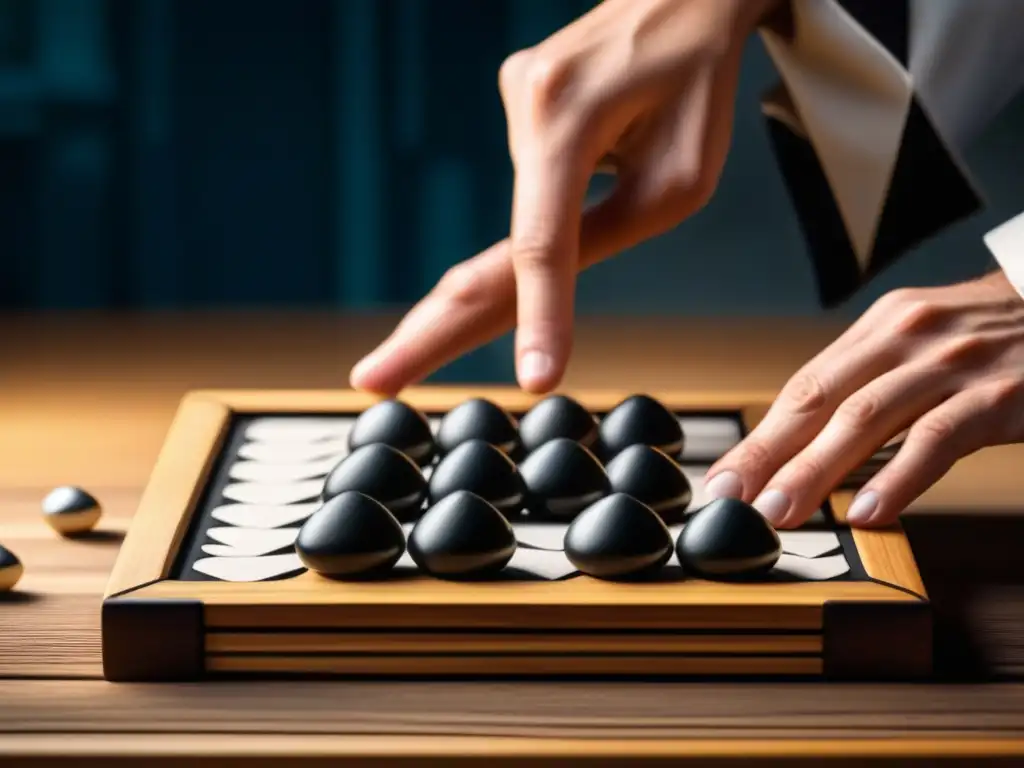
(282, 464)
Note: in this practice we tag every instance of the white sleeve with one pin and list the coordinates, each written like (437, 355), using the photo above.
(876, 104)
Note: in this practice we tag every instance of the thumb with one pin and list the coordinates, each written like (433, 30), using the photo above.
(544, 248)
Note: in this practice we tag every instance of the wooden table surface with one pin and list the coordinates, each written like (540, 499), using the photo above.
(86, 399)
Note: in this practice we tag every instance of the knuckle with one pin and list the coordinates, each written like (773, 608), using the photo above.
(897, 299)
(964, 351)
(915, 315)
(464, 285)
(934, 429)
(805, 471)
(805, 393)
(754, 458)
(536, 75)
(691, 186)
(1003, 394)
(533, 255)
(511, 69)
(859, 410)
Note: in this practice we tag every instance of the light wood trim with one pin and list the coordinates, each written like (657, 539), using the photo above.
(309, 602)
(411, 643)
(175, 486)
(321, 748)
(444, 398)
(887, 556)
(516, 665)
(885, 552)
(840, 502)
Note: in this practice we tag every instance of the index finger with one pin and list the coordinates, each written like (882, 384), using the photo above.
(547, 207)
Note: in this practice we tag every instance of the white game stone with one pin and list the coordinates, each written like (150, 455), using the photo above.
(259, 472)
(274, 494)
(816, 569)
(263, 515)
(241, 569)
(311, 430)
(809, 544)
(253, 542)
(294, 452)
(541, 536)
(542, 563)
(708, 437)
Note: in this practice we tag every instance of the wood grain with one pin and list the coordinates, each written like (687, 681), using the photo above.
(444, 398)
(562, 709)
(264, 750)
(309, 601)
(408, 642)
(88, 399)
(528, 666)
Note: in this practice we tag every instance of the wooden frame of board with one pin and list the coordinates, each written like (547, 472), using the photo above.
(156, 628)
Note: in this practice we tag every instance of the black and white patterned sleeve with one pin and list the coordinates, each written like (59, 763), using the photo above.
(877, 100)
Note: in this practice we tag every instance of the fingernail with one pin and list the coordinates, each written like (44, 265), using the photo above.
(862, 508)
(724, 485)
(535, 367)
(773, 505)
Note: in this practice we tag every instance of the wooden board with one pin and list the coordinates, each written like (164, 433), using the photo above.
(158, 625)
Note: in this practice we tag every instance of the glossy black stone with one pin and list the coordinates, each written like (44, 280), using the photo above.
(481, 468)
(653, 477)
(557, 416)
(383, 473)
(618, 537)
(562, 479)
(351, 535)
(478, 419)
(397, 424)
(11, 570)
(728, 539)
(462, 536)
(640, 419)
(7, 558)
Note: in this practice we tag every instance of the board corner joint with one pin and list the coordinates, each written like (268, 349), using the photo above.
(146, 639)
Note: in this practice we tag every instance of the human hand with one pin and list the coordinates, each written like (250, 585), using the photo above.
(945, 364)
(644, 85)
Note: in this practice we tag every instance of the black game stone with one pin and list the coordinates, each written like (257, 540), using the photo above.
(383, 473)
(397, 424)
(462, 536)
(562, 479)
(71, 511)
(653, 477)
(728, 539)
(618, 537)
(11, 569)
(481, 468)
(478, 419)
(640, 419)
(351, 535)
(557, 416)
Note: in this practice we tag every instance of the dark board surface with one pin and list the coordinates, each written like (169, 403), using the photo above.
(213, 496)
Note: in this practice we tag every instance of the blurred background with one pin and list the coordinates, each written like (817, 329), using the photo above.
(311, 154)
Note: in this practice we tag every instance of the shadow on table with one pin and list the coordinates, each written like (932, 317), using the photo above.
(99, 537)
(973, 569)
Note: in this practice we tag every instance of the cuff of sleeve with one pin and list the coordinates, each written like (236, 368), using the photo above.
(1006, 242)
(868, 174)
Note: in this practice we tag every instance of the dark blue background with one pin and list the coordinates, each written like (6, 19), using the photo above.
(344, 153)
